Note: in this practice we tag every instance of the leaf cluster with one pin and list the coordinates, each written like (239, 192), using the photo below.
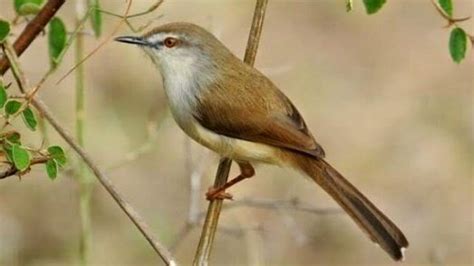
(458, 39)
(16, 153)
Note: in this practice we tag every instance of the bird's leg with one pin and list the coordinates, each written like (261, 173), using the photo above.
(246, 171)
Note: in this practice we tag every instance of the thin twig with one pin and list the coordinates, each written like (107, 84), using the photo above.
(447, 17)
(32, 30)
(77, 31)
(210, 224)
(11, 171)
(150, 9)
(18, 74)
(98, 47)
(293, 204)
(160, 249)
(452, 21)
(105, 181)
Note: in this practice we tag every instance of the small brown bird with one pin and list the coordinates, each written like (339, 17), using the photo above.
(234, 110)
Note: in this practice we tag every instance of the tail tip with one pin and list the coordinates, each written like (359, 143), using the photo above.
(402, 252)
(399, 256)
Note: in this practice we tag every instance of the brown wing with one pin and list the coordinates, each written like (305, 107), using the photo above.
(262, 114)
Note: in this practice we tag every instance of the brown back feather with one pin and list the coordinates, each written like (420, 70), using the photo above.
(246, 105)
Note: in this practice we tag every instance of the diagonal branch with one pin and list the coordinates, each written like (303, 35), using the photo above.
(142, 226)
(203, 251)
(32, 30)
(12, 170)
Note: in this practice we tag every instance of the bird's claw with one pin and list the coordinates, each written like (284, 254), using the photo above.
(214, 193)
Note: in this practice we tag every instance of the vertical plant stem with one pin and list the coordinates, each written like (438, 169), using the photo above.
(128, 209)
(212, 217)
(255, 32)
(208, 232)
(85, 183)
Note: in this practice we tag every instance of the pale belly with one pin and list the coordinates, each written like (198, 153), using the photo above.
(182, 101)
(233, 148)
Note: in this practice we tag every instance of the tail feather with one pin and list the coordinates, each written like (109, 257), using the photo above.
(370, 219)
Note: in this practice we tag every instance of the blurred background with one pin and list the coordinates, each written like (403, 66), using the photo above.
(379, 92)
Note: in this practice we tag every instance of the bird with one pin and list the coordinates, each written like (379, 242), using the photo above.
(236, 111)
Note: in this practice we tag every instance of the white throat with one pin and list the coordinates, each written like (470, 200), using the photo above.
(183, 81)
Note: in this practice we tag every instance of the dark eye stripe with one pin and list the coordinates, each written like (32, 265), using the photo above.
(158, 44)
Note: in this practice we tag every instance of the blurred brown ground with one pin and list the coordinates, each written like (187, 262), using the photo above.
(380, 93)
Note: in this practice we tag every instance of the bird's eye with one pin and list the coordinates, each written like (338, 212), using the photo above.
(170, 42)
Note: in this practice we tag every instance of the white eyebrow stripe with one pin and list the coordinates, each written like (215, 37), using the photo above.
(159, 37)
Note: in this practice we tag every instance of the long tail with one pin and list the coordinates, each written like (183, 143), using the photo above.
(372, 221)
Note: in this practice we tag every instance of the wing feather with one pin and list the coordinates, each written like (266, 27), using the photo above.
(262, 114)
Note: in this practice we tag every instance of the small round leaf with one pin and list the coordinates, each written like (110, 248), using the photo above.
(14, 138)
(372, 6)
(56, 40)
(12, 107)
(21, 157)
(57, 153)
(27, 7)
(458, 44)
(447, 6)
(51, 168)
(4, 30)
(3, 96)
(29, 118)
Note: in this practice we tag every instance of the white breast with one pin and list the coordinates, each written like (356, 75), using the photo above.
(236, 149)
(181, 90)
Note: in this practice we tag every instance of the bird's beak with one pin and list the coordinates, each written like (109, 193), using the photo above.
(133, 40)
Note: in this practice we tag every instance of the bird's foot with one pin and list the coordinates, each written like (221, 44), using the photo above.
(217, 193)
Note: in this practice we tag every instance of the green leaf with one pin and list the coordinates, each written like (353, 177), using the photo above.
(8, 150)
(3, 96)
(29, 118)
(27, 7)
(14, 138)
(21, 157)
(10, 140)
(458, 44)
(56, 40)
(4, 30)
(12, 107)
(57, 153)
(372, 6)
(447, 6)
(96, 17)
(349, 5)
(51, 168)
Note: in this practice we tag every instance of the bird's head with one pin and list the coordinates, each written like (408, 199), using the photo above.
(180, 46)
